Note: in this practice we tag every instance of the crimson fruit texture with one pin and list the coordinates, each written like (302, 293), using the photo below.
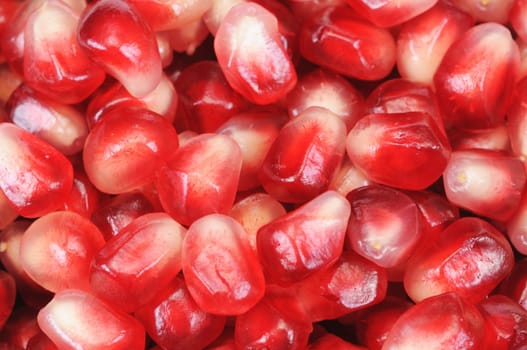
(263, 174)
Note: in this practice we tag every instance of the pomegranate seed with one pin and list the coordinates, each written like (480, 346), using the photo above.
(73, 319)
(174, 320)
(515, 285)
(517, 120)
(403, 150)
(487, 11)
(252, 56)
(304, 10)
(496, 138)
(304, 157)
(470, 257)
(517, 227)
(126, 140)
(7, 296)
(347, 178)
(41, 341)
(20, 328)
(445, 321)
(125, 47)
(488, 183)
(84, 198)
(144, 254)
(475, 78)
(304, 241)
(217, 12)
(35, 177)
(165, 50)
(364, 51)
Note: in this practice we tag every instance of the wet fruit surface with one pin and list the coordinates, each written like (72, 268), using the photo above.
(263, 174)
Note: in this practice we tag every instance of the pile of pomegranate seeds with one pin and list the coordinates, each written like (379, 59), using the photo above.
(265, 174)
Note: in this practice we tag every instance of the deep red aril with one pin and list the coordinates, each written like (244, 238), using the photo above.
(166, 15)
(252, 55)
(475, 79)
(515, 285)
(374, 323)
(276, 322)
(486, 11)
(200, 178)
(517, 227)
(7, 296)
(126, 148)
(350, 284)
(62, 126)
(339, 40)
(142, 258)
(304, 156)
(255, 133)
(384, 226)
(41, 341)
(174, 320)
(496, 138)
(388, 14)
(54, 63)
(117, 212)
(307, 239)
(222, 271)
(20, 328)
(507, 322)
(73, 319)
(206, 97)
(330, 341)
(423, 41)
(517, 120)
(125, 47)
(470, 257)
(8, 9)
(35, 177)
(446, 321)
(487, 183)
(57, 249)
(84, 198)
(255, 211)
(402, 150)
(323, 88)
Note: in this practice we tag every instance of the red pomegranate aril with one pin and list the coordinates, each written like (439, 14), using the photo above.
(142, 257)
(20, 328)
(385, 225)
(517, 120)
(487, 183)
(307, 239)
(163, 46)
(475, 79)
(76, 319)
(276, 322)
(470, 257)
(60, 125)
(255, 133)
(255, 211)
(446, 321)
(515, 285)
(486, 11)
(35, 177)
(57, 250)
(347, 178)
(507, 321)
(364, 51)
(402, 150)
(517, 227)
(54, 63)
(84, 198)
(304, 157)
(206, 97)
(126, 148)
(217, 12)
(8, 8)
(423, 41)
(496, 138)
(41, 341)
(322, 88)
(174, 320)
(252, 55)
(116, 213)
(7, 296)
(222, 271)
(189, 37)
(200, 178)
(125, 47)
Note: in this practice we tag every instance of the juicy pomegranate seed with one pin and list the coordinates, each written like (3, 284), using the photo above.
(41, 341)
(517, 120)
(515, 285)
(364, 50)
(217, 12)
(485, 182)
(7, 296)
(475, 78)
(20, 328)
(347, 178)
(54, 63)
(304, 156)
(304, 241)
(35, 177)
(201, 178)
(73, 320)
(142, 257)
(445, 321)
(174, 320)
(125, 149)
(470, 257)
(403, 150)
(496, 138)
(252, 56)
(423, 41)
(487, 11)
(125, 46)
(84, 198)
(384, 225)
(221, 270)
